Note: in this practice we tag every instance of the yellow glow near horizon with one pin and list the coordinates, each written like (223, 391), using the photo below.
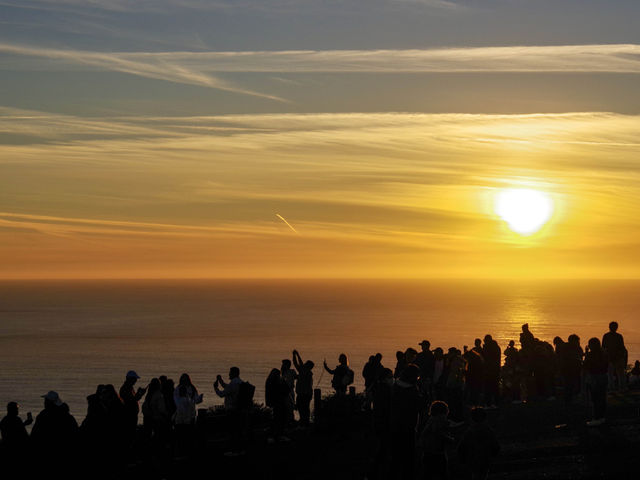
(371, 196)
(524, 210)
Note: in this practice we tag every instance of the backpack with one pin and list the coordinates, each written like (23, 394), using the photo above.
(348, 377)
(245, 396)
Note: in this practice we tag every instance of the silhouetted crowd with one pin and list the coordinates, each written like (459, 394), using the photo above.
(413, 408)
(432, 393)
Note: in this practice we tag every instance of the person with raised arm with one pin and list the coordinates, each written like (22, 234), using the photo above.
(304, 387)
(228, 391)
(289, 377)
(238, 413)
(342, 374)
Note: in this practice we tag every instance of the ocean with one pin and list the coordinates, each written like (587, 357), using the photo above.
(70, 336)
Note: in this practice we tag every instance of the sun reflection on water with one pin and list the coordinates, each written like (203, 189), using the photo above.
(523, 306)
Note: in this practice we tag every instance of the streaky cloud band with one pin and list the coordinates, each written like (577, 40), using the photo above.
(134, 64)
(195, 67)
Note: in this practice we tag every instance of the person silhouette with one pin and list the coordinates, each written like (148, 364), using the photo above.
(370, 375)
(492, 361)
(289, 376)
(425, 360)
(434, 440)
(634, 375)
(185, 399)
(304, 387)
(238, 414)
(571, 367)
(613, 345)
(439, 374)
(474, 374)
(381, 394)
(54, 435)
(401, 363)
(454, 385)
(276, 395)
(155, 415)
(596, 365)
(130, 399)
(405, 409)
(526, 337)
(15, 439)
(479, 445)
(342, 374)
(511, 349)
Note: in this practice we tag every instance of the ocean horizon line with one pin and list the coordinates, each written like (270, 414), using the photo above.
(311, 279)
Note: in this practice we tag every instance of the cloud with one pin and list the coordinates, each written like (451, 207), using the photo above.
(195, 67)
(160, 67)
(563, 58)
(379, 186)
(169, 6)
(320, 168)
(204, 68)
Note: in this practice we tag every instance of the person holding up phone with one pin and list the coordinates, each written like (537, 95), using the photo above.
(130, 399)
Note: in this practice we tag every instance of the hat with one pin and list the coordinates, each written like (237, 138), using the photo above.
(53, 397)
(423, 342)
(132, 374)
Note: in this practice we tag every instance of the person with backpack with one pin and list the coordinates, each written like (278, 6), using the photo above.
(342, 375)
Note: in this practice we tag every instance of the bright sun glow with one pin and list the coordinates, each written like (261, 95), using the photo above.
(524, 210)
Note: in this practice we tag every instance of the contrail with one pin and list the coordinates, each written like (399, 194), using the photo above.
(288, 224)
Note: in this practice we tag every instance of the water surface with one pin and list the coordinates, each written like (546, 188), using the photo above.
(70, 336)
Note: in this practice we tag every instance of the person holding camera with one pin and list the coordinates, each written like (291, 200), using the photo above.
(130, 399)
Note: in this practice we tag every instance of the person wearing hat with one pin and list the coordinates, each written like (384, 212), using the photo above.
(426, 362)
(54, 434)
(130, 399)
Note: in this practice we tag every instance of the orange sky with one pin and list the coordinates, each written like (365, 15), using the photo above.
(298, 138)
(369, 195)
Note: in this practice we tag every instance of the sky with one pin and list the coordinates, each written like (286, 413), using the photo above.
(317, 139)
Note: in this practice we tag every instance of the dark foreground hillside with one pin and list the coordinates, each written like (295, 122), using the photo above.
(542, 439)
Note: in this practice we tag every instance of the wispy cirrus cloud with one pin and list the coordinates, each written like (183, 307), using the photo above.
(195, 67)
(167, 6)
(204, 68)
(377, 187)
(160, 67)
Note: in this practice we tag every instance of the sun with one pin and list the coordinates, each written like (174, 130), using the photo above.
(525, 210)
